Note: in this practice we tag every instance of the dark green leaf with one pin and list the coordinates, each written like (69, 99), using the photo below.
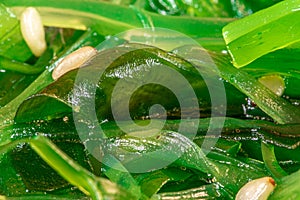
(131, 68)
(96, 187)
(10, 182)
(12, 84)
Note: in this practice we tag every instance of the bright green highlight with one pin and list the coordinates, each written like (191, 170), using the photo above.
(265, 31)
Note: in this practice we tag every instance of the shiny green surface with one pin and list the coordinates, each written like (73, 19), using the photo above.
(265, 31)
(43, 157)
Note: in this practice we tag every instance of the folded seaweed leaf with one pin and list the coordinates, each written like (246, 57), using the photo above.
(8, 111)
(133, 151)
(230, 155)
(132, 67)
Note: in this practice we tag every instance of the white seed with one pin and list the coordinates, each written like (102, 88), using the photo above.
(33, 31)
(274, 82)
(258, 189)
(73, 61)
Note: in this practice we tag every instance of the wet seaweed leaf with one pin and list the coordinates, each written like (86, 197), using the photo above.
(265, 31)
